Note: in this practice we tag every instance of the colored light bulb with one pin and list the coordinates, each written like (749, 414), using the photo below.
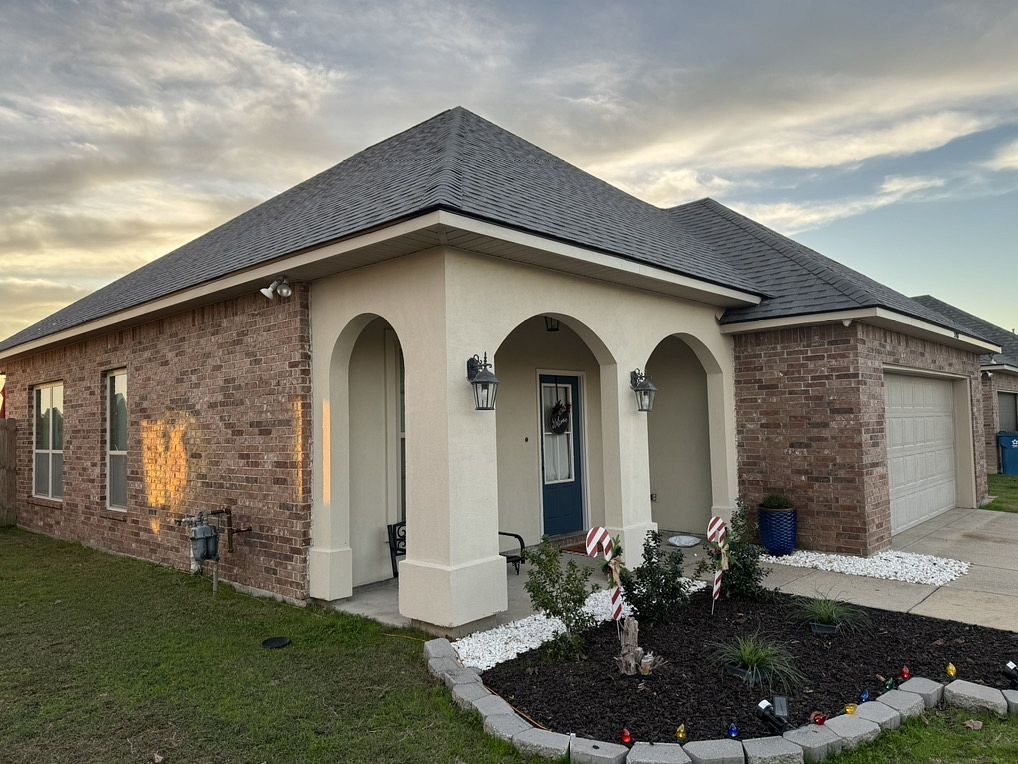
(951, 670)
(864, 696)
(680, 733)
(627, 736)
(889, 684)
(851, 708)
(732, 730)
(818, 717)
(906, 673)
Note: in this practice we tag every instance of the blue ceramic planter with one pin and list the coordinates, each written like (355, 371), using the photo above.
(778, 529)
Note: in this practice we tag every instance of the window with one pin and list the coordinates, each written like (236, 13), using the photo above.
(116, 441)
(1007, 403)
(49, 441)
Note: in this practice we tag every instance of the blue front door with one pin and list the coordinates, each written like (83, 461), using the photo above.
(561, 439)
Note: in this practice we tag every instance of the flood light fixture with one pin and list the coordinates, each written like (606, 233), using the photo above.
(280, 286)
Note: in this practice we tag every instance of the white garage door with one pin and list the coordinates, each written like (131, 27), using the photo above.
(920, 448)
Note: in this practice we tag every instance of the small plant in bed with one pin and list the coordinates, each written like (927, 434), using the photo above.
(759, 661)
(745, 575)
(560, 592)
(656, 590)
(828, 616)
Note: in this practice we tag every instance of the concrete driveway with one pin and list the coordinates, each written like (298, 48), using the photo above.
(987, 595)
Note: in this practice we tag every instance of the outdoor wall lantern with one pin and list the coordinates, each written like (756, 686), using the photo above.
(551, 324)
(280, 286)
(485, 383)
(644, 389)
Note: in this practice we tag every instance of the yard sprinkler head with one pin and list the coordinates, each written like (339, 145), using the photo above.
(765, 710)
(1011, 672)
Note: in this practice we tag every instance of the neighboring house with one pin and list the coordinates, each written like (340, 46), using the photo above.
(1000, 376)
(325, 415)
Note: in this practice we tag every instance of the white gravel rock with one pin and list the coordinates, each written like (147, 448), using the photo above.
(486, 649)
(890, 565)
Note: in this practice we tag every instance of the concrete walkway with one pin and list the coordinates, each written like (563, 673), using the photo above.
(987, 595)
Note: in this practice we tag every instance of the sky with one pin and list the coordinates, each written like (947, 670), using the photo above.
(885, 135)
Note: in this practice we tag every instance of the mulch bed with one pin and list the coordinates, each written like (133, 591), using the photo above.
(592, 699)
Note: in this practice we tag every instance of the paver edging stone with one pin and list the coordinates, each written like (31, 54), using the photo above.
(814, 743)
(975, 697)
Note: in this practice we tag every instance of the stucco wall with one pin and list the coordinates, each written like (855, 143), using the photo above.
(218, 406)
(679, 432)
(446, 305)
(530, 348)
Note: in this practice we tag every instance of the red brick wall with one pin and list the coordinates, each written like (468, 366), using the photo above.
(1003, 383)
(219, 404)
(797, 401)
(810, 424)
(877, 348)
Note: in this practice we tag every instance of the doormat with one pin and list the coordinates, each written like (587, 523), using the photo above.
(684, 541)
(578, 548)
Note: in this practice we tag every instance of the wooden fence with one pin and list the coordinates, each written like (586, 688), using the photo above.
(8, 473)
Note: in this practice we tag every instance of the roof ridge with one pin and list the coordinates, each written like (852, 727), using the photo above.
(447, 182)
(788, 249)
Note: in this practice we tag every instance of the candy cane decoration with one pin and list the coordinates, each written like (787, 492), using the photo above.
(599, 539)
(717, 531)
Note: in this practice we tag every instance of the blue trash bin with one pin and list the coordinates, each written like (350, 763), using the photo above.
(1008, 442)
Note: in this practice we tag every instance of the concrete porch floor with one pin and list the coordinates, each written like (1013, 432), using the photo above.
(987, 595)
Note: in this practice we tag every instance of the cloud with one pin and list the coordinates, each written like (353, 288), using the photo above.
(37, 296)
(796, 217)
(1006, 158)
(127, 129)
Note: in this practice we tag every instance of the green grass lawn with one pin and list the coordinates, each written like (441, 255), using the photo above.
(108, 659)
(1005, 488)
(943, 738)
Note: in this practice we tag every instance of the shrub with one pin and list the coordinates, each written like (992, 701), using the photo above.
(559, 592)
(777, 501)
(768, 663)
(829, 612)
(655, 590)
(744, 577)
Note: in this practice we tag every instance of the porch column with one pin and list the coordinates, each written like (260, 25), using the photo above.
(723, 457)
(627, 508)
(453, 574)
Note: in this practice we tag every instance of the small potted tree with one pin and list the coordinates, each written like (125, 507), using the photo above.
(778, 524)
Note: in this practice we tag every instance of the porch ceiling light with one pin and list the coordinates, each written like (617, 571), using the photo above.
(644, 389)
(484, 382)
(280, 286)
(551, 324)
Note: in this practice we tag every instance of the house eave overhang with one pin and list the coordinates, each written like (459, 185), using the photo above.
(875, 316)
(1004, 368)
(428, 229)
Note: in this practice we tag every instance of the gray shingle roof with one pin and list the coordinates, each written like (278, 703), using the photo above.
(1007, 340)
(461, 162)
(799, 280)
(455, 160)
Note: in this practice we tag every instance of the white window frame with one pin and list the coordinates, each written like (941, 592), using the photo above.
(110, 376)
(48, 451)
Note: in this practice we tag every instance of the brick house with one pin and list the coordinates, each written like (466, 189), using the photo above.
(999, 376)
(306, 363)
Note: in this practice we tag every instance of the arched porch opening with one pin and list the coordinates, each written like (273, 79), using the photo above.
(679, 432)
(549, 428)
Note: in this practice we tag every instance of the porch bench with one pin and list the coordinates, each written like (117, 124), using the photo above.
(397, 547)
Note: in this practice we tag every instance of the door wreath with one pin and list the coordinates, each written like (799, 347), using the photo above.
(560, 417)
